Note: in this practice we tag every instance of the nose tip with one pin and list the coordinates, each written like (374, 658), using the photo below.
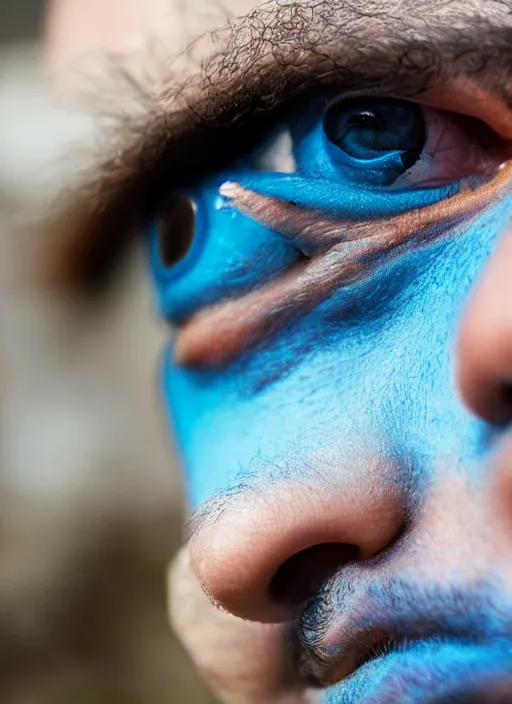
(261, 558)
(484, 357)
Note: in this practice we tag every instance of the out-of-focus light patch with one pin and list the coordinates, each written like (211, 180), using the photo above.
(42, 143)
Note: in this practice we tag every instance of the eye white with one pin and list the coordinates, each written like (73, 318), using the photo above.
(450, 154)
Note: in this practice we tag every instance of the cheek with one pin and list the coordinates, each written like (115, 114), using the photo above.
(369, 371)
(241, 661)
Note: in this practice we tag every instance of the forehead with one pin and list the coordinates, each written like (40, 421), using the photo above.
(77, 30)
(203, 91)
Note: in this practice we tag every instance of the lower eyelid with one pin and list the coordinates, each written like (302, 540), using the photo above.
(340, 200)
(192, 285)
(218, 336)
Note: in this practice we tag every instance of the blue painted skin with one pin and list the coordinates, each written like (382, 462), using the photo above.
(444, 662)
(433, 669)
(369, 370)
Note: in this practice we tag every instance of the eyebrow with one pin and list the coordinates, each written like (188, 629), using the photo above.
(278, 54)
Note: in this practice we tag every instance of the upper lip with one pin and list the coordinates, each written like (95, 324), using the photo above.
(328, 650)
(334, 659)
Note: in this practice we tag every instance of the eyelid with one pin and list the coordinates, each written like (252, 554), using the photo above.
(467, 96)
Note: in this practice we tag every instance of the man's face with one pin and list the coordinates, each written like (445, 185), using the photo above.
(316, 272)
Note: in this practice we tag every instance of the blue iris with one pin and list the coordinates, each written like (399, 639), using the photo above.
(382, 137)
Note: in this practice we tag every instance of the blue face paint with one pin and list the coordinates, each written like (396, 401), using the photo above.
(437, 671)
(362, 371)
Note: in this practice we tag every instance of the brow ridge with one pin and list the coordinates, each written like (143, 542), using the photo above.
(278, 53)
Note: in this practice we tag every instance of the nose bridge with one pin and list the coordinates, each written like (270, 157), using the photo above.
(296, 529)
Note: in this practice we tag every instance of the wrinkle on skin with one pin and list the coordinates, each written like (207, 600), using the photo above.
(340, 254)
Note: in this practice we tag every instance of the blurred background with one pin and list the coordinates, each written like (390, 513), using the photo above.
(90, 498)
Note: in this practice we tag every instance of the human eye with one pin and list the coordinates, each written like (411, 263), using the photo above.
(328, 171)
(382, 141)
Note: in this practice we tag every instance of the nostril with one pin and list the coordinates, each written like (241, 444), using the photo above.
(506, 402)
(264, 557)
(494, 402)
(303, 574)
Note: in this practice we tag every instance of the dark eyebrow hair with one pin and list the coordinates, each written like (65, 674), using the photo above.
(279, 53)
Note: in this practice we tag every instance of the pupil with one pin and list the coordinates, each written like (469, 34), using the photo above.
(176, 228)
(365, 119)
(367, 128)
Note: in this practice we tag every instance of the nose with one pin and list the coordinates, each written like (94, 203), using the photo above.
(262, 555)
(485, 341)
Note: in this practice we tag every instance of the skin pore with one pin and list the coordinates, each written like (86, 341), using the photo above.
(342, 518)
